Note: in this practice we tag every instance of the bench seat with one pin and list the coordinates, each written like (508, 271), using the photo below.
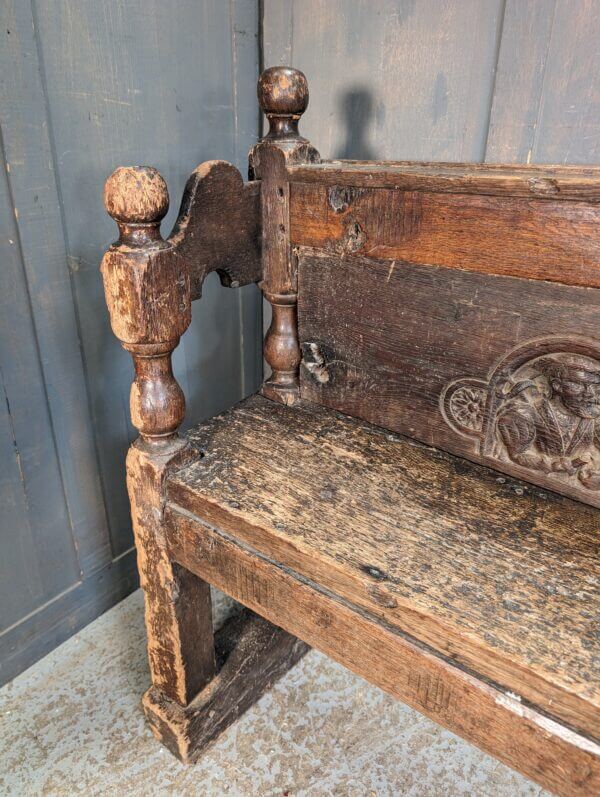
(490, 576)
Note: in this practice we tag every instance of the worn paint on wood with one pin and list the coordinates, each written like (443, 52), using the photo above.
(546, 104)
(135, 82)
(512, 82)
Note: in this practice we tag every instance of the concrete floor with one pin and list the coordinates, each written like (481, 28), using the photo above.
(72, 724)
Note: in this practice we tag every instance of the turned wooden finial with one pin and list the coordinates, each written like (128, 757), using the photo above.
(283, 96)
(137, 198)
(147, 288)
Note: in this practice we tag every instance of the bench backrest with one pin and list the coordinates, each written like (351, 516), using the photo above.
(459, 305)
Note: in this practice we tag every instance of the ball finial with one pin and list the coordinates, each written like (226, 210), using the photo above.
(136, 195)
(283, 91)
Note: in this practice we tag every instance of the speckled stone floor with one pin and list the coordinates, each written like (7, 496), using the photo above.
(72, 725)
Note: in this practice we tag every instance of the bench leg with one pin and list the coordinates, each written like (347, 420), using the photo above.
(200, 683)
(252, 655)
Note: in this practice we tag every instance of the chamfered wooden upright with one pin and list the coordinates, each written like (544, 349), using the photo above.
(283, 96)
(149, 284)
(417, 490)
(148, 295)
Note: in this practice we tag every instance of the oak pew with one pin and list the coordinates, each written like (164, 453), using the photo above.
(415, 490)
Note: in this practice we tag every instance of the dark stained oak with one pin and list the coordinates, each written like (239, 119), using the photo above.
(385, 341)
(494, 574)
(454, 304)
(149, 285)
(252, 655)
(578, 183)
(283, 96)
(496, 721)
(219, 227)
(507, 235)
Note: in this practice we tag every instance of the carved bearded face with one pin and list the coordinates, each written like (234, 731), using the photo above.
(578, 389)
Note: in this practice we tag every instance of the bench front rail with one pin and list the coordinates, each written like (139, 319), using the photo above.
(415, 491)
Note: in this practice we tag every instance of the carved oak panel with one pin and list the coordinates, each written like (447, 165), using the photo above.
(385, 341)
(539, 410)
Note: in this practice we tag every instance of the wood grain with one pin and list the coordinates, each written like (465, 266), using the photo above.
(402, 80)
(252, 655)
(496, 721)
(219, 227)
(283, 97)
(478, 567)
(178, 603)
(536, 239)
(572, 183)
(392, 336)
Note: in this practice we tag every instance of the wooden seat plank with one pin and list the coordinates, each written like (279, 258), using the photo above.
(495, 574)
(497, 721)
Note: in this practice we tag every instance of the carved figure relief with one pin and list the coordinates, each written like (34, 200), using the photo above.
(539, 409)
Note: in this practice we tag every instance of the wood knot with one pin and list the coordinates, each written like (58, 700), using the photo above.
(314, 362)
(543, 186)
(374, 572)
(342, 196)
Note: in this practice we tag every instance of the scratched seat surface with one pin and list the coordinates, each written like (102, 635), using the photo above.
(495, 574)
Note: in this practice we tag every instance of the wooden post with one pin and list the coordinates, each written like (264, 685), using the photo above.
(283, 96)
(147, 285)
(147, 289)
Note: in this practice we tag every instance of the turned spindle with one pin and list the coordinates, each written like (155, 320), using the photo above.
(283, 97)
(148, 295)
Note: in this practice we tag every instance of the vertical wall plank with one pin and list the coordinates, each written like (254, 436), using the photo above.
(109, 89)
(394, 79)
(522, 62)
(546, 106)
(278, 32)
(245, 55)
(89, 85)
(34, 192)
(38, 556)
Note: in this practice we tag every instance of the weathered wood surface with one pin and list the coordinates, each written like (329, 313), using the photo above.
(575, 183)
(399, 80)
(178, 603)
(497, 721)
(519, 237)
(252, 655)
(283, 97)
(544, 107)
(219, 227)
(83, 90)
(147, 287)
(497, 575)
(384, 341)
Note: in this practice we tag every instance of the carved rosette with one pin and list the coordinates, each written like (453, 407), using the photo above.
(539, 410)
(463, 405)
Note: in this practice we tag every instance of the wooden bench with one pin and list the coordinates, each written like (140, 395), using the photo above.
(415, 490)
